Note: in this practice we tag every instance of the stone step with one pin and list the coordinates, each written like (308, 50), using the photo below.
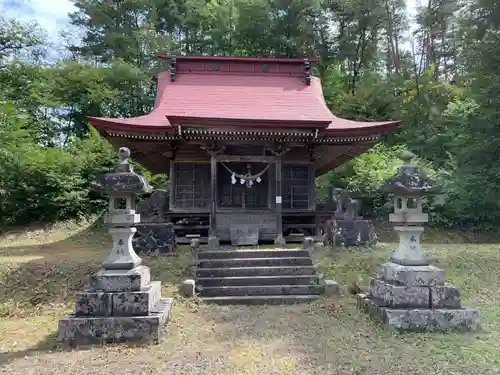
(261, 290)
(258, 280)
(255, 262)
(252, 254)
(255, 271)
(261, 300)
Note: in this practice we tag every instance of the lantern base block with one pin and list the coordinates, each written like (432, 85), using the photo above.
(87, 330)
(117, 306)
(398, 274)
(421, 320)
(417, 299)
(410, 259)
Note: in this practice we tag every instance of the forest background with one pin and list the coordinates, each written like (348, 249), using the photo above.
(437, 71)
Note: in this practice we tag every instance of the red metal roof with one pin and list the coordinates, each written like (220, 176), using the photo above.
(236, 97)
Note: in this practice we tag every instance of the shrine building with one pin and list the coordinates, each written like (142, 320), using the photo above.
(242, 140)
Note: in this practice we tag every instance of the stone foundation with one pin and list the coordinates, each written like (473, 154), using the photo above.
(353, 232)
(78, 330)
(152, 237)
(417, 298)
(119, 305)
(421, 320)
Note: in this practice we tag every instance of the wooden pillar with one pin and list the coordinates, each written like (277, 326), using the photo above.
(213, 240)
(171, 181)
(279, 240)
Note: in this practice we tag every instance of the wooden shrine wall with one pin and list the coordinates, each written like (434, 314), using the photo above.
(190, 188)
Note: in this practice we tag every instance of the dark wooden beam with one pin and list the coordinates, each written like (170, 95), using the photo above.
(245, 158)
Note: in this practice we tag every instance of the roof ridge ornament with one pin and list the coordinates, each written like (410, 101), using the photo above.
(173, 69)
(407, 156)
(307, 71)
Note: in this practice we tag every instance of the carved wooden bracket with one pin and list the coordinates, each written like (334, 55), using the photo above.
(214, 149)
(311, 148)
(279, 149)
(174, 147)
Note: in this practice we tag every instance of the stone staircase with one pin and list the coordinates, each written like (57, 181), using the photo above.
(257, 277)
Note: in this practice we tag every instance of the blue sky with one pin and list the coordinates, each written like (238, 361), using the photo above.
(52, 15)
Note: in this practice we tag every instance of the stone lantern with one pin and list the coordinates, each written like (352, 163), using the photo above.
(122, 188)
(409, 186)
(121, 303)
(408, 293)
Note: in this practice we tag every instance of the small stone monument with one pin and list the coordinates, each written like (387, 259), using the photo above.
(408, 293)
(340, 199)
(121, 303)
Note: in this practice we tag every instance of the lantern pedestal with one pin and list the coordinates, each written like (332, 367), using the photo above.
(409, 252)
(122, 256)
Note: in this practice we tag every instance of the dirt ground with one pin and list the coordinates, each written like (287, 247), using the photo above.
(41, 269)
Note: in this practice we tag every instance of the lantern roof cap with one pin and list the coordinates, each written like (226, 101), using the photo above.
(123, 180)
(409, 180)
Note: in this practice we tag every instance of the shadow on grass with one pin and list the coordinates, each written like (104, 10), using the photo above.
(42, 279)
(49, 343)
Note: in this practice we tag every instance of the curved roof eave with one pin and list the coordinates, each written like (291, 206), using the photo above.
(147, 123)
(341, 127)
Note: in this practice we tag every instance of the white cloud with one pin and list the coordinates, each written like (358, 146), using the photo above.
(52, 15)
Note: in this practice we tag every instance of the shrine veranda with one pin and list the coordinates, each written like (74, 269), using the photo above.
(242, 140)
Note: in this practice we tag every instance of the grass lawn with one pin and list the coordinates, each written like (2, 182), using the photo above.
(41, 270)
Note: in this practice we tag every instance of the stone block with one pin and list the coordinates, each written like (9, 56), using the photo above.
(94, 304)
(332, 288)
(213, 242)
(445, 296)
(400, 296)
(121, 280)
(279, 241)
(409, 216)
(308, 244)
(195, 245)
(73, 331)
(154, 237)
(122, 219)
(362, 301)
(353, 232)
(411, 275)
(423, 320)
(243, 235)
(153, 208)
(137, 303)
(187, 288)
